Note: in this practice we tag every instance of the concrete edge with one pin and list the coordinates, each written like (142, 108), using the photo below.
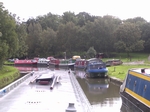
(115, 80)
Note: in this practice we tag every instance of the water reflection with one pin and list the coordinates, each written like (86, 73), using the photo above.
(34, 68)
(103, 95)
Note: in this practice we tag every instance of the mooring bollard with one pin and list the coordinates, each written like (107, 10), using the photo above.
(71, 108)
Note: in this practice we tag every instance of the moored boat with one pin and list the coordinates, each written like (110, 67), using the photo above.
(43, 62)
(96, 68)
(66, 63)
(113, 62)
(53, 61)
(135, 90)
(26, 62)
(61, 62)
(80, 64)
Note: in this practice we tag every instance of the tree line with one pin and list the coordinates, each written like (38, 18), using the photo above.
(74, 34)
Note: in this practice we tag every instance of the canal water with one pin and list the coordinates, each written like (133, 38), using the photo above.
(101, 93)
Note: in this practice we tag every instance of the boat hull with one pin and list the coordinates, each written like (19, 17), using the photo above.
(97, 72)
(25, 62)
(95, 75)
(79, 67)
(133, 104)
(43, 64)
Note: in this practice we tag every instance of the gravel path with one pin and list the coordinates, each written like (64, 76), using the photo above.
(134, 63)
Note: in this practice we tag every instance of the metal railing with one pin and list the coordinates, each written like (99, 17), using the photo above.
(80, 94)
(14, 84)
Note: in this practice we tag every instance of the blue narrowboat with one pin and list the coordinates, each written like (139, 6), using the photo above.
(135, 90)
(96, 68)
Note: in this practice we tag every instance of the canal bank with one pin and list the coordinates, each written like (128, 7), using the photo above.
(115, 80)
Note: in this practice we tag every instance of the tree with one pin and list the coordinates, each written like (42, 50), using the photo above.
(49, 21)
(8, 39)
(128, 38)
(69, 17)
(67, 37)
(34, 38)
(145, 28)
(91, 52)
(48, 42)
(22, 36)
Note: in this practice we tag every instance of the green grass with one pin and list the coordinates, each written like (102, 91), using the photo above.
(8, 63)
(7, 70)
(134, 57)
(7, 75)
(121, 70)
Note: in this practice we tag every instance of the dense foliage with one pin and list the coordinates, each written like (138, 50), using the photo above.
(52, 35)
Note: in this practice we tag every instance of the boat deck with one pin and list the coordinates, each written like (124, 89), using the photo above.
(139, 70)
(27, 97)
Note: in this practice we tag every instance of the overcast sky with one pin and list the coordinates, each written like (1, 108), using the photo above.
(122, 9)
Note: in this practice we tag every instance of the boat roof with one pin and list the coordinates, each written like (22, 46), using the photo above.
(114, 60)
(94, 59)
(96, 63)
(76, 57)
(80, 59)
(138, 70)
(46, 75)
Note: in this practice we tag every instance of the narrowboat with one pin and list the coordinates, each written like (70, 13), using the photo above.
(26, 62)
(66, 63)
(80, 64)
(53, 61)
(96, 68)
(60, 62)
(113, 62)
(43, 62)
(135, 90)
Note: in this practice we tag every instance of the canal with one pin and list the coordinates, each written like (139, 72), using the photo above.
(101, 93)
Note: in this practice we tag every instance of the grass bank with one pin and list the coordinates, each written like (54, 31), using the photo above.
(121, 70)
(133, 57)
(7, 75)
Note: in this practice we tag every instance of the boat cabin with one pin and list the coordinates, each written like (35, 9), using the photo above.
(53, 60)
(113, 62)
(135, 89)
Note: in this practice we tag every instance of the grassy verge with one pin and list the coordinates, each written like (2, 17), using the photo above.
(7, 75)
(8, 63)
(121, 70)
(133, 57)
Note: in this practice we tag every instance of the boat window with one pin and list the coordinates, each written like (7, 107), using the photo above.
(98, 66)
(145, 87)
(129, 81)
(134, 83)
